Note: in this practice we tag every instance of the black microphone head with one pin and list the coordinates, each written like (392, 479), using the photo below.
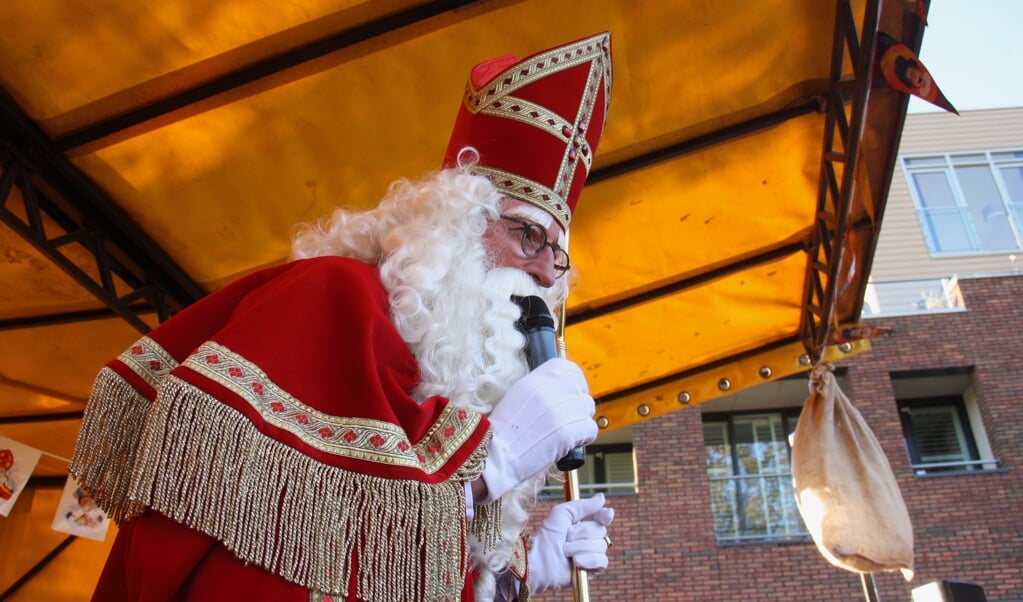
(534, 313)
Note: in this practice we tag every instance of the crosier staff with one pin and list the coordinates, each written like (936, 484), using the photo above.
(580, 580)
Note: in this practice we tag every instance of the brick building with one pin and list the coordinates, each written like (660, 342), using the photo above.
(703, 496)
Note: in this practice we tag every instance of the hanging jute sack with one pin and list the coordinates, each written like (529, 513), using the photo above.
(845, 488)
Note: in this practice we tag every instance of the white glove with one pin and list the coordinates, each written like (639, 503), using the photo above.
(573, 530)
(542, 417)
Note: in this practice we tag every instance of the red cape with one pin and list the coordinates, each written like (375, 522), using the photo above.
(273, 419)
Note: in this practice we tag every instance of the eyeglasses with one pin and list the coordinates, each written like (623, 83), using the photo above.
(534, 239)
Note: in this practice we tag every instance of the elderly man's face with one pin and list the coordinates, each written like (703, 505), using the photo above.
(504, 241)
(917, 77)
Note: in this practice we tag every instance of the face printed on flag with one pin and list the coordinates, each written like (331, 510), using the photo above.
(17, 462)
(78, 514)
(902, 70)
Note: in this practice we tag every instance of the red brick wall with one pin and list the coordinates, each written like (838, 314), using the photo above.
(966, 527)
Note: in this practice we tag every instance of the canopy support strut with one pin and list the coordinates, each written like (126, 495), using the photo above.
(834, 196)
(121, 274)
(66, 217)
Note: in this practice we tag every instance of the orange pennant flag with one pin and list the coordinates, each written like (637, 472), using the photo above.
(903, 71)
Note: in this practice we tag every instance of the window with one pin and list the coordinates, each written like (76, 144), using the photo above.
(910, 297)
(968, 202)
(936, 435)
(608, 469)
(748, 465)
(941, 423)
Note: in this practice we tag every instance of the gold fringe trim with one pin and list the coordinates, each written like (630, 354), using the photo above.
(524, 544)
(472, 468)
(524, 594)
(486, 525)
(205, 465)
(107, 445)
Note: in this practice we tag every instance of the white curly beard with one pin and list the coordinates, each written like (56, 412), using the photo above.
(473, 360)
(475, 354)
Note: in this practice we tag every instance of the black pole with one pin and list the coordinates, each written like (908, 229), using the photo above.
(37, 567)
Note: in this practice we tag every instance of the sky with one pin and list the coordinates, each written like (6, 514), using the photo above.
(972, 49)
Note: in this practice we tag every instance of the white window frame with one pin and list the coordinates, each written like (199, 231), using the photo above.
(947, 165)
(927, 388)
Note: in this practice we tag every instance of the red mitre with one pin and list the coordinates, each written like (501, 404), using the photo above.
(535, 124)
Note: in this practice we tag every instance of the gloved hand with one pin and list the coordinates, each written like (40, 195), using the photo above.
(573, 530)
(542, 417)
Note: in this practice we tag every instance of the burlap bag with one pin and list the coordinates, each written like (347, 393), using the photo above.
(844, 486)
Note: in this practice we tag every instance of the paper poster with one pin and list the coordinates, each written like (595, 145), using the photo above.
(17, 462)
(78, 514)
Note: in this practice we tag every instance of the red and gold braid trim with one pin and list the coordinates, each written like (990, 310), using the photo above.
(148, 360)
(527, 190)
(518, 566)
(356, 438)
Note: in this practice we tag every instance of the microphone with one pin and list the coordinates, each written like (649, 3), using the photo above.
(538, 326)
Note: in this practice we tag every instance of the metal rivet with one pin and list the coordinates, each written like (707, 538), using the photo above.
(845, 347)
(684, 397)
(765, 372)
(602, 422)
(804, 360)
(724, 384)
(643, 410)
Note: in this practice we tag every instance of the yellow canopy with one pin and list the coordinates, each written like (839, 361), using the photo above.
(154, 152)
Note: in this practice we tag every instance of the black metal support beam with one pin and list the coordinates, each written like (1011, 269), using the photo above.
(120, 274)
(45, 560)
(53, 191)
(835, 192)
(913, 39)
(37, 418)
(47, 482)
(69, 317)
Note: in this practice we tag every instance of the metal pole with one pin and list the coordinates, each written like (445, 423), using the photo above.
(869, 587)
(580, 580)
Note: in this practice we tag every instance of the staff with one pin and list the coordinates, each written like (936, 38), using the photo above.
(580, 579)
